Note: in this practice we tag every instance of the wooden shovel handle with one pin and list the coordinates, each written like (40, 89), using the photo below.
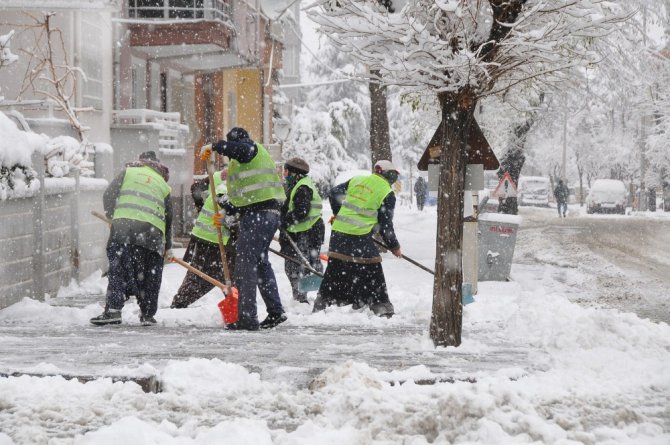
(201, 274)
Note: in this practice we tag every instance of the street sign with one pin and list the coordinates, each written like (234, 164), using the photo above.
(506, 188)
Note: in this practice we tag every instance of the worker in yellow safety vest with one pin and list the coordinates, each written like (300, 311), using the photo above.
(362, 207)
(255, 193)
(138, 202)
(301, 225)
(203, 248)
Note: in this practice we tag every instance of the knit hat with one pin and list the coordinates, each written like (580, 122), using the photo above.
(297, 165)
(149, 155)
(237, 134)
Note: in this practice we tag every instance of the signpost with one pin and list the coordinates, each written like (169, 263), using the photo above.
(506, 188)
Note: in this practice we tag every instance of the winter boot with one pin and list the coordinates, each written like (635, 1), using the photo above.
(242, 325)
(383, 309)
(273, 320)
(110, 316)
(147, 320)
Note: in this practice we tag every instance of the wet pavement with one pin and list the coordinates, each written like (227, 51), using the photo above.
(292, 354)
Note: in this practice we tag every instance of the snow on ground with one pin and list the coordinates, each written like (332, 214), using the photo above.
(597, 376)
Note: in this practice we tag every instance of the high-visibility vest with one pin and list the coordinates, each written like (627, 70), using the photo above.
(254, 181)
(314, 213)
(142, 197)
(204, 226)
(364, 197)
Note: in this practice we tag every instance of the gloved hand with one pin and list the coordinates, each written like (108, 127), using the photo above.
(397, 252)
(220, 146)
(206, 152)
(169, 254)
(331, 220)
(217, 220)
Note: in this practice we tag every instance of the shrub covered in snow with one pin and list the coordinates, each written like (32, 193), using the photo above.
(61, 156)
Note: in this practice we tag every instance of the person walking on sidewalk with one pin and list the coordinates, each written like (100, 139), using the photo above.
(301, 221)
(363, 206)
(421, 190)
(203, 247)
(561, 193)
(139, 205)
(256, 193)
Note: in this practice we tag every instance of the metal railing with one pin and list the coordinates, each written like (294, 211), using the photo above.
(219, 10)
(171, 132)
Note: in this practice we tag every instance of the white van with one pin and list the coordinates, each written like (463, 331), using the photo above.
(533, 191)
(607, 196)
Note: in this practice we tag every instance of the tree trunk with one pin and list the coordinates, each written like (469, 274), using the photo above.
(380, 147)
(447, 317)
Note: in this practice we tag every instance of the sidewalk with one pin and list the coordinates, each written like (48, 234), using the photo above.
(290, 352)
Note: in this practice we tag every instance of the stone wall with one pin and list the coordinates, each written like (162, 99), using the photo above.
(49, 238)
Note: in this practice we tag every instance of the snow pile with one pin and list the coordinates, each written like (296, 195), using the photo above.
(62, 155)
(16, 149)
(65, 153)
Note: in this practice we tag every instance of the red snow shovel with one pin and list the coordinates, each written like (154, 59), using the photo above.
(227, 306)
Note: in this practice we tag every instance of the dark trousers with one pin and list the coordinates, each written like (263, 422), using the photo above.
(420, 203)
(137, 271)
(310, 247)
(564, 207)
(205, 257)
(252, 267)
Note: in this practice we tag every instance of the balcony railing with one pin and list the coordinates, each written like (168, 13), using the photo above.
(179, 10)
(171, 133)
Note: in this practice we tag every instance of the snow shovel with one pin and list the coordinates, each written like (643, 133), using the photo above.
(308, 283)
(227, 306)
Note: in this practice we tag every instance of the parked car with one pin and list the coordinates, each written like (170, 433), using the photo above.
(607, 196)
(534, 190)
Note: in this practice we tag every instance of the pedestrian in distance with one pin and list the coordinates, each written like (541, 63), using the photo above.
(301, 224)
(138, 203)
(256, 193)
(421, 192)
(203, 248)
(561, 193)
(362, 207)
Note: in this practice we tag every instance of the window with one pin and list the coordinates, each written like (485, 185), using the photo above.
(146, 9)
(173, 9)
(186, 9)
(92, 60)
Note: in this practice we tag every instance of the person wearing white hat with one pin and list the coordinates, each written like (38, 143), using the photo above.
(363, 207)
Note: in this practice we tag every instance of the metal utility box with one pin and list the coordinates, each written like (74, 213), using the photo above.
(495, 244)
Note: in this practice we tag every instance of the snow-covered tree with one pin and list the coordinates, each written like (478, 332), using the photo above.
(347, 101)
(312, 138)
(461, 51)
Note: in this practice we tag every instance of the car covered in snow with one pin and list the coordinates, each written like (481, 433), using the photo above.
(534, 191)
(607, 196)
